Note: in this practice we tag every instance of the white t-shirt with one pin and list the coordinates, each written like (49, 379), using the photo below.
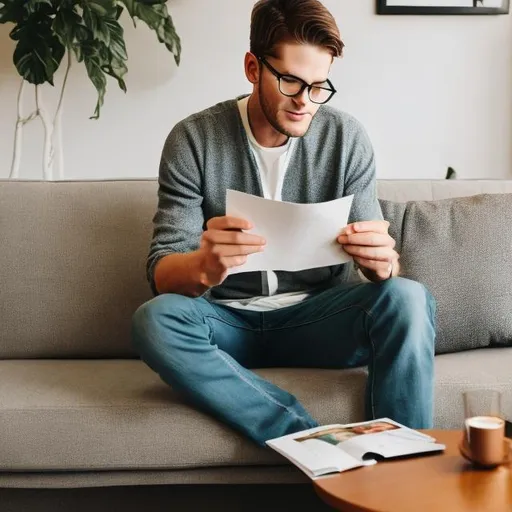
(272, 164)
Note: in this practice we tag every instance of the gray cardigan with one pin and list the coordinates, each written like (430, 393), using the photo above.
(208, 152)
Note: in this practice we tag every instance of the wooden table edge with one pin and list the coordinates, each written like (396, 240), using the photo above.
(448, 437)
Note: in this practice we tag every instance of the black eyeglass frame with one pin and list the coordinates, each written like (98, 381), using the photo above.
(305, 85)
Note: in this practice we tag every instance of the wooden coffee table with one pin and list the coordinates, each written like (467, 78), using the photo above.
(433, 483)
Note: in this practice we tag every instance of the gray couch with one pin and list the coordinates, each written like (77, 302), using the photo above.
(79, 410)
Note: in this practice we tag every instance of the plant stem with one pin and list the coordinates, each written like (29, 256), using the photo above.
(48, 132)
(57, 126)
(18, 136)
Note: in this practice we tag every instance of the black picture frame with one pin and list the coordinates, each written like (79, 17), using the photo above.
(384, 8)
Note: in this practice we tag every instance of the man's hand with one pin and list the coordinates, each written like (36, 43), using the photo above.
(223, 246)
(369, 243)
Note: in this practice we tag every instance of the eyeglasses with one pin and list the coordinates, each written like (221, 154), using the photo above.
(290, 85)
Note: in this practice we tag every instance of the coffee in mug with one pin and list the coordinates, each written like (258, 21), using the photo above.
(485, 439)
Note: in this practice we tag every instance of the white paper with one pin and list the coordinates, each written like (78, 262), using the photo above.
(298, 236)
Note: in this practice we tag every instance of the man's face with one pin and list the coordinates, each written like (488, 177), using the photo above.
(292, 116)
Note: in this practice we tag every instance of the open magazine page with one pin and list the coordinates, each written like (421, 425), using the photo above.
(313, 454)
(383, 439)
(336, 448)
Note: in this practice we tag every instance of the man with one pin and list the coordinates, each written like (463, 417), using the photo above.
(205, 329)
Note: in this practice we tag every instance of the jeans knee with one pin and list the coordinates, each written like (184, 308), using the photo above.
(408, 295)
(152, 319)
(411, 303)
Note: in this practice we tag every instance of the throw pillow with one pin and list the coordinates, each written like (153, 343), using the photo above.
(461, 250)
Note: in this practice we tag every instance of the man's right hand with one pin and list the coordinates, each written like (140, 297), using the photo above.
(224, 245)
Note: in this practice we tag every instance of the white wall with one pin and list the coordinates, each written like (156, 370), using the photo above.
(432, 91)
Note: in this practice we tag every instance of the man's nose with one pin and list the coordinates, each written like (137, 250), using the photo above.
(302, 98)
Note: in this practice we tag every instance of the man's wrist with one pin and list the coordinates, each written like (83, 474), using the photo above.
(372, 275)
(199, 276)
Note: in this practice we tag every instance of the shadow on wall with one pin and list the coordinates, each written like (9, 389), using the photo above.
(6, 51)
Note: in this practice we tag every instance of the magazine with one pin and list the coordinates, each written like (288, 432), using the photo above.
(335, 448)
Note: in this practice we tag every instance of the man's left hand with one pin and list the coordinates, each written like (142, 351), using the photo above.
(372, 248)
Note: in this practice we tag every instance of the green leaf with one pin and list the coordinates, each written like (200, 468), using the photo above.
(19, 31)
(65, 26)
(90, 19)
(76, 48)
(117, 45)
(37, 63)
(58, 50)
(117, 69)
(107, 51)
(39, 52)
(11, 12)
(130, 6)
(167, 34)
(101, 7)
(96, 24)
(81, 33)
(29, 66)
(451, 174)
(94, 71)
(101, 59)
(156, 17)
(32, 6)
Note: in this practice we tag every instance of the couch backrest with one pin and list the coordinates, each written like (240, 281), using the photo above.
(72, 260)
(72, 266)
(432, 190)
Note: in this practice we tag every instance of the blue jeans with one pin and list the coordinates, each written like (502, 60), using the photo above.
(205, 351)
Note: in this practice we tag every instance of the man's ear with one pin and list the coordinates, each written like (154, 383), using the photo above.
(252, 68)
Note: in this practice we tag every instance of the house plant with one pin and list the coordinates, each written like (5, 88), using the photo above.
(86, 31)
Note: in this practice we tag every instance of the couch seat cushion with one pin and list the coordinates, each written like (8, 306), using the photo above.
(94, 415)
(118, 414)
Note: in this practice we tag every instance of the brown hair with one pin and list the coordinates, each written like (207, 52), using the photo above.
(302, 21)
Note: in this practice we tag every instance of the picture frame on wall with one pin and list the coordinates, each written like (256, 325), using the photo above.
(443, 6)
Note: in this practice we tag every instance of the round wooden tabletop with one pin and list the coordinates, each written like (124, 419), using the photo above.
(436, 482)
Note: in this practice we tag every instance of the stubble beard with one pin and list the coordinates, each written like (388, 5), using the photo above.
(272, 118)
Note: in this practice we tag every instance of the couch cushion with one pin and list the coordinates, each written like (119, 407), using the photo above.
(118, 415)
(461, 250)
(72, 266)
